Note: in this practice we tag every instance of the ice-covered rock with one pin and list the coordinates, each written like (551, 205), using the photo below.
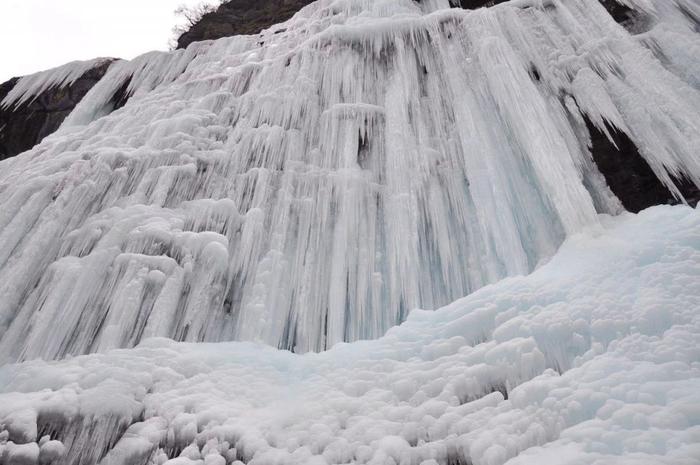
(32, 107)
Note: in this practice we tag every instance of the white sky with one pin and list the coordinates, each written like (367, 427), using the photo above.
(40, 34)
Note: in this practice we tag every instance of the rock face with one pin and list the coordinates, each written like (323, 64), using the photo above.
(472, 4)
(252, 16)
(629, 176)
(620, 13)
(24, 125)
(241, 17)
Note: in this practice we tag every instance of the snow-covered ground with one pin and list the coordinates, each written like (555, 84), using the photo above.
(592, 359)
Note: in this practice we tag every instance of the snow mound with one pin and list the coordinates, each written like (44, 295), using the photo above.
(592, 359)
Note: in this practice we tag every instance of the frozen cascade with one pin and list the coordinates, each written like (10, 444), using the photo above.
(315, 183)
(591, 359)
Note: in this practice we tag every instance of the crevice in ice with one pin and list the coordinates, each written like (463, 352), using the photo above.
(487, 390)
(623, 13)
(121, 96)
(474, 4)
(535, 73)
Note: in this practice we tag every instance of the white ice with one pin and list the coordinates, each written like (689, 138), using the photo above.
(316, 182)
(319, 183)
(30, 87)
(597, 352)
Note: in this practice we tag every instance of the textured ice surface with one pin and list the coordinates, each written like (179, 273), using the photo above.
(29, 87)
(316, 182)
(592, 359)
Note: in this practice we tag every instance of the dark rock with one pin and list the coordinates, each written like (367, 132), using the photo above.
(237, 17)
(474, 4)
(628, 174)
(240, 17)
(121, 96)
(619, 12)
(22, 127)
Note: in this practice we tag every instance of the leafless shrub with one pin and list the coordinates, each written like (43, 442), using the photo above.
(189, 16)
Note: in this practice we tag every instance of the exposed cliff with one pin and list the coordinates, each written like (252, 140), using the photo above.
(252, 16)
(237, 17)
(26, 119)
(241, 17)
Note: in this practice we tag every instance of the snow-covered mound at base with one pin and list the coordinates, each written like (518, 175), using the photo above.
(592, 359)
(316, 182)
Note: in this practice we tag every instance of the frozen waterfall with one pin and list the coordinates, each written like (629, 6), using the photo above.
(315, 183)
(591, 359)
(431, 185)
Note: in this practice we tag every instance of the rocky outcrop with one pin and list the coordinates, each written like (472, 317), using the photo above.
(252, 16)
(238, 17)
(620, 13)
(25, 124)
(628, 174)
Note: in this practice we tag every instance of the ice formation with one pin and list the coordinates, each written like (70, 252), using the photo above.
(29, 87)
(592, 359)
(318, 184)
(315, 183)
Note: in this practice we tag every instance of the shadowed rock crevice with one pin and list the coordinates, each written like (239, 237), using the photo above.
(473, 4)
(620, 13)
(628, 174)
(121, 96)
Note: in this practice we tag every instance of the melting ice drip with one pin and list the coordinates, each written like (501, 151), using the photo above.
(317, 182)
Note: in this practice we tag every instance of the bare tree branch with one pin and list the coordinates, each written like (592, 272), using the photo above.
(191, 15)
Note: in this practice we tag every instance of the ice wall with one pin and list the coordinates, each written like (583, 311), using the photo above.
(592, 359)
(315, 183)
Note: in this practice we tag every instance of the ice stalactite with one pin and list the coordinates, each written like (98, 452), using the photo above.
(31, 86)
(315, 183)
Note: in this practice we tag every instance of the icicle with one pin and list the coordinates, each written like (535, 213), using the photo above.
(312, 186)
(30, 87)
